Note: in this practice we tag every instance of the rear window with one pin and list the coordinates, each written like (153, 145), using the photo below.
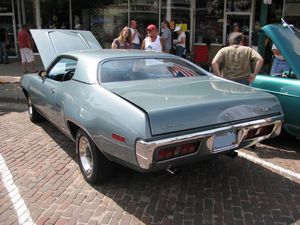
(141, 69)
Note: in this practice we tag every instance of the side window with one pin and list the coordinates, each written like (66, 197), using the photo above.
(63, 70)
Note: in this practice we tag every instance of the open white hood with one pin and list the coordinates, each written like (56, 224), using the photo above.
(51, 43)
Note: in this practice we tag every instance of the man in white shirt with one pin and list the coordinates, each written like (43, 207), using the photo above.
(135, 35)
(180, 41)
(152, 42)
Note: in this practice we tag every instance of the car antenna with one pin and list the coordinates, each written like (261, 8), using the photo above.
(285, 24)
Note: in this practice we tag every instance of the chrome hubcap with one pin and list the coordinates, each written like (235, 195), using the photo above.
(85, 155)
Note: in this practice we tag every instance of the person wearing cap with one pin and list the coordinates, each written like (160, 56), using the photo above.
(152, 42)
(180, 41)
(234, 62)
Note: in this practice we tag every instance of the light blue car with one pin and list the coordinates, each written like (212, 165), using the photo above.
(144, 110)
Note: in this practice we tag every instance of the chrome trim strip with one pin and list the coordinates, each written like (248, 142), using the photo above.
(145, 150)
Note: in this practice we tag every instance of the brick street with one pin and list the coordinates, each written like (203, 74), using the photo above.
(47, 186)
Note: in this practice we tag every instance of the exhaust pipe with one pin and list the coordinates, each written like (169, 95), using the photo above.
(173, 170)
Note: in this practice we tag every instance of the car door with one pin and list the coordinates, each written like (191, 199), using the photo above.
(55, 86)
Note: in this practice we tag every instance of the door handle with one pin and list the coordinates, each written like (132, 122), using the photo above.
(52, 90)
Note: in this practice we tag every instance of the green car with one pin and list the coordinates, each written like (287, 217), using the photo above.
(285, 86)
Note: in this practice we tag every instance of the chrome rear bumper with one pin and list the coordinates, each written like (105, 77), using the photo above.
(145, 150)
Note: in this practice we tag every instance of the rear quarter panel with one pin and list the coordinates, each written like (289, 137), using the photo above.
(287, 91)
(101, 113)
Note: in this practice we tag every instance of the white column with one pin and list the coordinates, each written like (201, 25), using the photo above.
(128, 13)
(168, 8)
(159, 15)
(38, 14)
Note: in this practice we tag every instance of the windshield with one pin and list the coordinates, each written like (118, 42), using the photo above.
(141, 69)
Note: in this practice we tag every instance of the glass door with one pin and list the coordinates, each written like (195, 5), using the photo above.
(7, 21)
(238, 17)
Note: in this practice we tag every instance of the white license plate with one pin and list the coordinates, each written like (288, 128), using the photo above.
(224, 141)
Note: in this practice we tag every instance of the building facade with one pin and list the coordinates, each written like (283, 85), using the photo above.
(208, 22)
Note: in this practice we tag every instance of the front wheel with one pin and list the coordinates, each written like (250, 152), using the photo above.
(94, 166)
(34, 115)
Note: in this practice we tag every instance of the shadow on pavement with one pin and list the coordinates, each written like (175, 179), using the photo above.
(215, 191)
(8, 107)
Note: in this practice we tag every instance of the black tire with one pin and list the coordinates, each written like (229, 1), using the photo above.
(34, 115)
(94, 166)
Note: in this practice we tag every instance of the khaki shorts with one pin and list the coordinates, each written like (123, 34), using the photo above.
(26, 55)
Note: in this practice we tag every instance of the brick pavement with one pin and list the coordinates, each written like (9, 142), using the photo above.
(216, 191)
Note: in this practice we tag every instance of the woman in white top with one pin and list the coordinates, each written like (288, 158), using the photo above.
(152, 42)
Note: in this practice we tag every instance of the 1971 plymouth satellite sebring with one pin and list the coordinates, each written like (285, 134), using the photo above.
(148, 111)
(285, 86)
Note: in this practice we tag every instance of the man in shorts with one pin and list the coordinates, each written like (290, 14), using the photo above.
(25, 45)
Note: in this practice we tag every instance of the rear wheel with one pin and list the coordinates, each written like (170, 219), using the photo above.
(34, 115)
(94, 166)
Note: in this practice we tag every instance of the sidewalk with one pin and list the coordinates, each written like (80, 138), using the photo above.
(10, 75)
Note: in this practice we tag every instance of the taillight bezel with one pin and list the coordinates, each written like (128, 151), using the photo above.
(180, 149)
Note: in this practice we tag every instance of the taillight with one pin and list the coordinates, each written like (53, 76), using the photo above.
(261, 131)
(177, 150)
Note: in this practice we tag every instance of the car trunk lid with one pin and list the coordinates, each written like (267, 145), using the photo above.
(180, 104)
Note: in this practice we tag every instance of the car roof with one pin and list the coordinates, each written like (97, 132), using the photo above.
(103, 54)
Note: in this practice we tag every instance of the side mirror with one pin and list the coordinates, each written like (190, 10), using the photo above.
(42, 74)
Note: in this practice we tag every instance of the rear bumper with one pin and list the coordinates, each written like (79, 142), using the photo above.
(145, 151)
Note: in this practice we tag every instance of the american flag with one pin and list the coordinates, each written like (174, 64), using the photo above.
(180, 71)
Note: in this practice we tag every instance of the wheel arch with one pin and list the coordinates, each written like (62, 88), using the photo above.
(73, 129)
(25, 92)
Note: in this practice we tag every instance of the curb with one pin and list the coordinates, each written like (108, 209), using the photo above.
(10, 79)
(11, 92)
(20, 100)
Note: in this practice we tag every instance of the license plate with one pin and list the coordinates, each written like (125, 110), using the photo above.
(224, 141)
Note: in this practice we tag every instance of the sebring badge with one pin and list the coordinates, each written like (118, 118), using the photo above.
(178, 124)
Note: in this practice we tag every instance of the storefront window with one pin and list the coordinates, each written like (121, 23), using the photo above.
(145, 13)
(292, 12)
(5, 6)
(7, 22)
(239, 5)
(178, 12)
(209, 22)
(55, 14)
(107, 19)
(30, 12)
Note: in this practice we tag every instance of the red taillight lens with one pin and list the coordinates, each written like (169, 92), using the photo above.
(176, 151)
(262, 131)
